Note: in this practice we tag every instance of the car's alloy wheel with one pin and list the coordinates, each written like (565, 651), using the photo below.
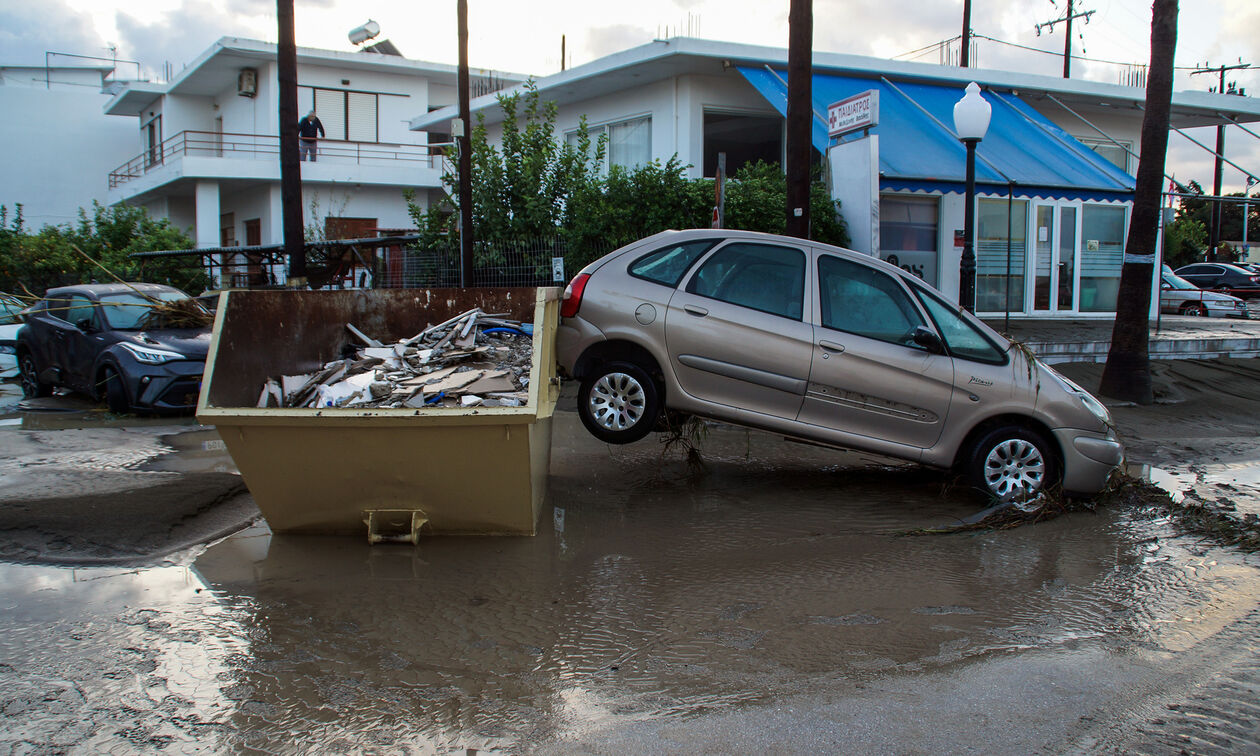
(619, 403)
(1013, 464)
(1193, 308)
(32, 386)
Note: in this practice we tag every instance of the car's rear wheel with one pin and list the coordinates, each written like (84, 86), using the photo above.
(32, 386)
(115, 392)
(1012, 464)
(1193, 308)
(619, 402)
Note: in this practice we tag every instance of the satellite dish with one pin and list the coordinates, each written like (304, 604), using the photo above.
(361, 34)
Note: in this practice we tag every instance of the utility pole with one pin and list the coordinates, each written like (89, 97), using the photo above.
(290, 170)
(464, 140)
(1214, 230)
(800, 115)
(1067, 43)
(965, 58)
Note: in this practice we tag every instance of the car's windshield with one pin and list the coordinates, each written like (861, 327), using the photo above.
(125, 311)
(1175, 281)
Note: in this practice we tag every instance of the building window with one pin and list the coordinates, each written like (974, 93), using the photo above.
(908, 233)
(1001, 246)
(629, 142)
(1102, 256)
(347, 116)
(744, 138)
(1116, 154)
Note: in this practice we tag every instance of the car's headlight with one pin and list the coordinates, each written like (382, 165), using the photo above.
(8, 349)
(1087, 399)
(152, 356)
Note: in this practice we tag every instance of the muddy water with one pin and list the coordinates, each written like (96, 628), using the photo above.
(656, 591)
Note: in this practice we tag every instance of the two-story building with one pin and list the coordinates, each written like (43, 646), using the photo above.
(206, 144)
(1054, 172)
(60, 147)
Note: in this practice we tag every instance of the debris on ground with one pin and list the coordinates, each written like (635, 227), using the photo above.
(475, 359)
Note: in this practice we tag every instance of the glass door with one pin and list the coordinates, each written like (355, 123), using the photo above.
(1044, 268)
(1065, 262)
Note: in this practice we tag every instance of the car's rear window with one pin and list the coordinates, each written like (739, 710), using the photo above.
(668, 265)
(125, 311)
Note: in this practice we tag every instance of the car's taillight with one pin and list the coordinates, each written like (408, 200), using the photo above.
(573, 295)
(1255, 279)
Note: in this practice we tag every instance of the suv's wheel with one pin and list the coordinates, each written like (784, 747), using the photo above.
(619, 402)
(115, 392)
(1011, 463)
(32, 386)
(1193, 308)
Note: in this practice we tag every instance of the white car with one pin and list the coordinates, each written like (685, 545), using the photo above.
(10, 306)
(1177, 296)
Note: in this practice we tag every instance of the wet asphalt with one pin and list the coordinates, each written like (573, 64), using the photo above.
(773, 599)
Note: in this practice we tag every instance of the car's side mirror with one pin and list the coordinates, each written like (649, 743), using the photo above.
(926, 338)
(87, 325)
(1165, 286)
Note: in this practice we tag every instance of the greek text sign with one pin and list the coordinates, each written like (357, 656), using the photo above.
(861, 111)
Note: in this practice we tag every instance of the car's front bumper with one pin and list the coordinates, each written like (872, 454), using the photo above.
(1089, 459)
(169, 387)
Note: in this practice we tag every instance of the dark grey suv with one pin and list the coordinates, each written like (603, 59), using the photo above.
(102, 340)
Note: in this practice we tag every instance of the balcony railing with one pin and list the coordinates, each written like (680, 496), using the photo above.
(213, 144)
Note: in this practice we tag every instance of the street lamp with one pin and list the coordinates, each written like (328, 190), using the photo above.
(971, 121)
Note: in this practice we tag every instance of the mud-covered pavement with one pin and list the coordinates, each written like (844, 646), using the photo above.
(769, 602)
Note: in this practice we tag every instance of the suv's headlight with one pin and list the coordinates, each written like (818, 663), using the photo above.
(152, 356)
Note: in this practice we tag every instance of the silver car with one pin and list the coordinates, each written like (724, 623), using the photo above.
(825, 345)
(1180, 297)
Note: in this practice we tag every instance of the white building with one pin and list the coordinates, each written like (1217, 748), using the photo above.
(61, 146)
(204, 148)
(1059, 154)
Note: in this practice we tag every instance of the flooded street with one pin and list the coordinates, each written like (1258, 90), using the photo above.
(772, 600)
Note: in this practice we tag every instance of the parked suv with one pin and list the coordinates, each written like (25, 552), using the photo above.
(103, 340)
(826, 345)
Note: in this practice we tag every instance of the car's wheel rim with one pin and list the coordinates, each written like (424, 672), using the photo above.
(29, 382)
(617, 402)
(1014, 470)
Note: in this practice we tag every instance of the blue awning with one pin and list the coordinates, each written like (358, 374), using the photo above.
(918, 150)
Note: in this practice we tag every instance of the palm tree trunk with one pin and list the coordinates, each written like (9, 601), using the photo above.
(1127, 375)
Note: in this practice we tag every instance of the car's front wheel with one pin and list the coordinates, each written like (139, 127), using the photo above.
(619, 402)
(1193, 308)
(1012, 464)
(115, 392)
(32, 386)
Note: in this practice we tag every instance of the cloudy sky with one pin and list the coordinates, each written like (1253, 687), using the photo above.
(523, 36)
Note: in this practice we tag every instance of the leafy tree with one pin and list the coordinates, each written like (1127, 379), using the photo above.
(1185, 241)
(537, 186)
(1200, 211)
(107, 238)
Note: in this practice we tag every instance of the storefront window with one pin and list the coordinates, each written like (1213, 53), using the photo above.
(1102, 256)
(996, 291)
(908, 233)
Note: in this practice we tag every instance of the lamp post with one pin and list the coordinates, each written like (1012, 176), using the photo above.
(971, 121)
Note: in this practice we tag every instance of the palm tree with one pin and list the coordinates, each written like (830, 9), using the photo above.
(1127, 374)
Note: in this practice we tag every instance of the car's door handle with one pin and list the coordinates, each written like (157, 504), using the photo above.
(699, 312)
(831, 346)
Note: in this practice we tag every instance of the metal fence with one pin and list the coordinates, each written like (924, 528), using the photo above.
(521, 262)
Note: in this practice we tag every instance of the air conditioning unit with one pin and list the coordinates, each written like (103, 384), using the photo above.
(247, 82)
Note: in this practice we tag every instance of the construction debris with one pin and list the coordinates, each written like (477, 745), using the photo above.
(472, 360)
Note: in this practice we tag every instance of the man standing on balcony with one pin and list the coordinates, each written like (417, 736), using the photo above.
(308, 129)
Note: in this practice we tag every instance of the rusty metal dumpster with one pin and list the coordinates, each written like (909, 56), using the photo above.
(479, 470)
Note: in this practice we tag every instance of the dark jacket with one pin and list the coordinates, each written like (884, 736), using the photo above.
(309, 126)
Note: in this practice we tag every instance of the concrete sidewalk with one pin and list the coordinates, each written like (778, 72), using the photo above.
(1173, 337)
